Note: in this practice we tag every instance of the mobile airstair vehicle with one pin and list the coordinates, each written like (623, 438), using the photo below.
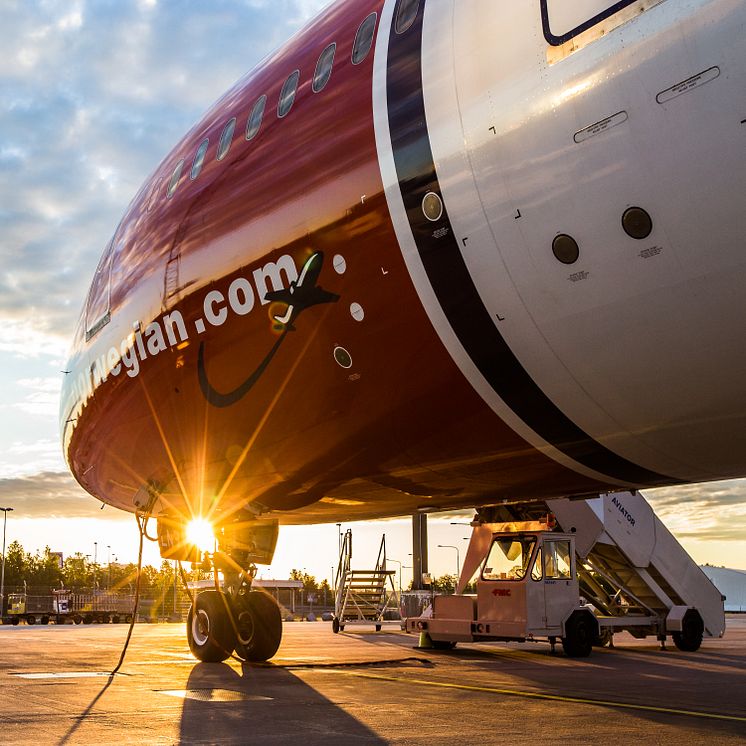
(363, 596)
(589, 569)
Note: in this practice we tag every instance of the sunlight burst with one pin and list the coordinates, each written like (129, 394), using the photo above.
(200, 533)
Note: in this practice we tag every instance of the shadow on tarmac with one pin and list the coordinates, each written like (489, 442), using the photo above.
(277, 707)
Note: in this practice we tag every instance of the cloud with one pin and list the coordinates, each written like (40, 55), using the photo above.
(713, 510)
(48, 495)
(24, 459)
(93, 96)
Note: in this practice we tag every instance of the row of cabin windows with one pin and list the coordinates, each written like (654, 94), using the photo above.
(97, 311)
(360, 50)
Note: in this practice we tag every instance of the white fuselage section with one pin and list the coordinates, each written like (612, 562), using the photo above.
(638, 341)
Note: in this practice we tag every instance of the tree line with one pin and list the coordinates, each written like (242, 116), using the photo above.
(42, 572)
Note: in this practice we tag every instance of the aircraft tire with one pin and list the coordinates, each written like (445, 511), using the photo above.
(335, 626)
(259, 624)
(209, 628)
(692, 630)
(580, 631)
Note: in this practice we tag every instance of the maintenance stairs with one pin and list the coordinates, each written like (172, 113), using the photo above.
(364, 596)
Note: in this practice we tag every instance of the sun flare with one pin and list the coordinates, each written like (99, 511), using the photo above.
(200, 533)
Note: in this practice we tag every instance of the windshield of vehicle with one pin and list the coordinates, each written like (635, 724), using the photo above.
(509, 558)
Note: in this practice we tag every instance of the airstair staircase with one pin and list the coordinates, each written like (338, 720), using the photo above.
(364, 596)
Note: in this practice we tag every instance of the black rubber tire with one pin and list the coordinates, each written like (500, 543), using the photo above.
(30, 619)
(128, 619)
(209, 629)
(692, 631)
(580, 632)
(335, 626)
(378, 627)
(603, 638)
(87, 619)
(77, 619)
(15, 621)
(45, 619)
(259, 624)
(115, 619)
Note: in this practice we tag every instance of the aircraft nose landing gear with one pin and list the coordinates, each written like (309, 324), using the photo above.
(235, 618)
(217, 626)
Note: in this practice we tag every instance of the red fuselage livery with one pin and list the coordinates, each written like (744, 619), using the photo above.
(494, 253)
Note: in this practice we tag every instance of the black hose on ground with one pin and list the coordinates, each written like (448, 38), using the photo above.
(141, 527)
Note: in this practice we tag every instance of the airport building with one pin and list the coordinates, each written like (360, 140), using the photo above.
(731, 583)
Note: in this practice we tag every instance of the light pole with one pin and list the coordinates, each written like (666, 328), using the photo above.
(2, 577)
(458, 559)
(108, 566)
(389, 559)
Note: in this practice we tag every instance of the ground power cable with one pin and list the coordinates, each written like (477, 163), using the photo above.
(142, 530)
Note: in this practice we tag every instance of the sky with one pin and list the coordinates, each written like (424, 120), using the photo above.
(92, 97)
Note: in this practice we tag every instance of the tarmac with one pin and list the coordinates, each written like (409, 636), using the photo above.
(363, 687)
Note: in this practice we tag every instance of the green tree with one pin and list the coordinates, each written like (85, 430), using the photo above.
(44, 570)
(309, 581)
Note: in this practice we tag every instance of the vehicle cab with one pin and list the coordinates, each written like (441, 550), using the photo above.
(527, 589)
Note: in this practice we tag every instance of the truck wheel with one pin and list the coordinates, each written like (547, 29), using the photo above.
(580, 631)
(15, 621)
(115, 619)
(209, 630)
(45, 619)
(692, 630)
(87, 619)
(30, 619)
(603, 638)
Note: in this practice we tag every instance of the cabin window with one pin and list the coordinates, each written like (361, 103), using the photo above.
(287, 95)
(255, 118)
(226, 139)
(324, 68)
(364, 39)
(97, 313)
(154, 193)
(199, 159)
(406, 15)
(563, 20)
(509, 558)
(175, 176)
